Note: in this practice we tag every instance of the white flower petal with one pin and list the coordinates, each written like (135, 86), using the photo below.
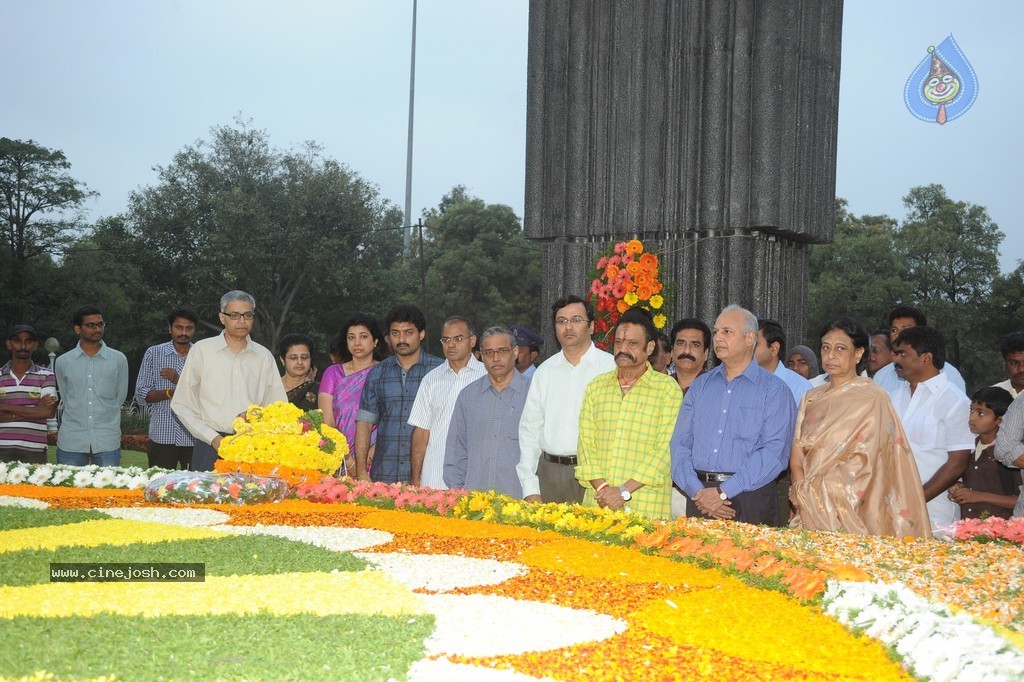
(443, 572)
(27, 502)
(188, 516)
(328, 537)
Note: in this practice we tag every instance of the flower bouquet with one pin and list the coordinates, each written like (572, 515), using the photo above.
(89, 476)
(285, 437)
(205, 487)
(625, 277)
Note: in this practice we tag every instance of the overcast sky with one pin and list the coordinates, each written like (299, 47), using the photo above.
(121, 85)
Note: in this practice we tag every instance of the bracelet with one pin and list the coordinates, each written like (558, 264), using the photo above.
(601, 487)
(168, 392)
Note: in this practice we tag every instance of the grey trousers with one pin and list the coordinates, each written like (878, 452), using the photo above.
(558, 482)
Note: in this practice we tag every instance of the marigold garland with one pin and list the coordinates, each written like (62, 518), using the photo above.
(281, 433)
(293, 477)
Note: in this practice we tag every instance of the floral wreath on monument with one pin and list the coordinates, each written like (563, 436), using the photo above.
(625, 276)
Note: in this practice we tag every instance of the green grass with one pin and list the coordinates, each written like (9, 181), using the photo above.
(20, 517)
(129, 458)
(232, 555)
(260, 647)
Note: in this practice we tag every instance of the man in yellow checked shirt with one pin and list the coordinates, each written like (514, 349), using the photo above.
(626, 422)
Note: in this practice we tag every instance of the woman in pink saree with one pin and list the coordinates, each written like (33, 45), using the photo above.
(851, 464)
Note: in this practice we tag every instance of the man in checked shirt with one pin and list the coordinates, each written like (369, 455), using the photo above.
(170, 443)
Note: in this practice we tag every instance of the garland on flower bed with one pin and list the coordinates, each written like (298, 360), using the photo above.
(991, 529)
(67, 476)
(383, 495)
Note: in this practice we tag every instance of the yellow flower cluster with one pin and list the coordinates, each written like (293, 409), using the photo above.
(616, 526)
(281, 433)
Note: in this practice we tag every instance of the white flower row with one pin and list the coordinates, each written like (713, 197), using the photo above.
(90, 476)
(935, 643)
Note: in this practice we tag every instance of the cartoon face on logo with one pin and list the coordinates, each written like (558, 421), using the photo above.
(941, 89)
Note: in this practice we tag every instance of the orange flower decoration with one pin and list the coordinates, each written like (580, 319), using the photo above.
(634, 246)
(649, 262)
(622, 306)
(611, 272)
(634, 268)
(644, 293)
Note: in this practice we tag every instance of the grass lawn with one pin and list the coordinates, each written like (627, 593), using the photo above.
(129, 458)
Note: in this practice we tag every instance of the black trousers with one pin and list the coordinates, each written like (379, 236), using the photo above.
(169, 456)
(754, 506)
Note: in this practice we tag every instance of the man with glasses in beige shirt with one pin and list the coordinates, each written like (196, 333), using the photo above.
(222, 377)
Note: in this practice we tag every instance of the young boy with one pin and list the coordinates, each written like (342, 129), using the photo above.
(987, 488)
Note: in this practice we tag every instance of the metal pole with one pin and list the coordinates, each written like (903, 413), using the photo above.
(408, 157)
(423, 273)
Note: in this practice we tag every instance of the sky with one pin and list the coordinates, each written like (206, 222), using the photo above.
(120, 86)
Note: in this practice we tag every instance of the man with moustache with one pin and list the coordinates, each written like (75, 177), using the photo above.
(93, 382)
(170, 443)
(482, 449)
(735, 430)
(549, 428)
(431, 412)
(224, 375)
(1012, 350)
(626, 422)
(691, 346)
(388, 396)
(28, 397)
(934, 414)
(881, 351)
(904, 317)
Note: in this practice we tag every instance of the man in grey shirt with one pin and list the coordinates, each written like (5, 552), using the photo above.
(482, 449)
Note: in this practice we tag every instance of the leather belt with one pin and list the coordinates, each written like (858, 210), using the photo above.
(568, 460)
(713, 476)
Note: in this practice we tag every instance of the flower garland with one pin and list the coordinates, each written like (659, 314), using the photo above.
(384, 495)
(67, 476)
(625, 277)
(281, 433)
(934, 642)
(991, 529)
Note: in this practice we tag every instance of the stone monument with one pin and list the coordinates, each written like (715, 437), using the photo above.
(707, 129)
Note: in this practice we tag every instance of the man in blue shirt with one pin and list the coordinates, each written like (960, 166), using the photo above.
(387, 399)
(92, 379)
(769, 351)
(734, 431)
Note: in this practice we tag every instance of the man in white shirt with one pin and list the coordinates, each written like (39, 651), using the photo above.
(435, 400)
(904, 317)
(934, 415)
(1012, 350)
(224, 375)
(771, 346)
(550, 426)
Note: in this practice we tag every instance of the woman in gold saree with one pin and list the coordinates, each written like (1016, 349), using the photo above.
(851, 463)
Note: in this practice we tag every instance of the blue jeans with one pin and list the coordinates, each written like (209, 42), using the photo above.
(110, 458)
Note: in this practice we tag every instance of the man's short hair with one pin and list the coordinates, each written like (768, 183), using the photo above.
(749, 320)
(908, 311)
(380, 349)
(1012, 343)
(994, 398)
(641, 317)
(237, 295)
(925, 340)
(459, 318)
(79, 315)
(569, 300)
(773, 333)
(289, 340)
(405, 312)
(692, 323)
(494, 331)
(884, 333)
(183, 313)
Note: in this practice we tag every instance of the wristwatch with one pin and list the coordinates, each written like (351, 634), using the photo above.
(626, 495)
(721, 494)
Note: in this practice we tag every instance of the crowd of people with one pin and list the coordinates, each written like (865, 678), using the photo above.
(883, 441)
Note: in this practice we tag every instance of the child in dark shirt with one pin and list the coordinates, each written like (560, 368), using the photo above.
(987, 488)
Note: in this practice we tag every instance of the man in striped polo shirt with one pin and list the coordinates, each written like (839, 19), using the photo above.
(28, 397)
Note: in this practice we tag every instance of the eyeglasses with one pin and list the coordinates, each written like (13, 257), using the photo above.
(239, 316)
(496, 353)
(94, 325)
(575, 320)
(445, 340)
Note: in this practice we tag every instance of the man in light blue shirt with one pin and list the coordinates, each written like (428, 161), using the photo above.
(734, 431)
(770, 349)
(92, 379)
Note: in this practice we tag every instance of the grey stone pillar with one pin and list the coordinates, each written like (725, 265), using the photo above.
(705, 128)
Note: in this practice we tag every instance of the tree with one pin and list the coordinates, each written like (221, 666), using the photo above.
(310, 239)
(951, 252)
(859, 274)
(479, 264)
(40, 211)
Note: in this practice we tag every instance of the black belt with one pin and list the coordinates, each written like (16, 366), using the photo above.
(568, 460)
(713, 476)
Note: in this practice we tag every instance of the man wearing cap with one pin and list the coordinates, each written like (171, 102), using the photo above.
(528, 343)
(549, 430)
(93, 381)
(28, 397)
